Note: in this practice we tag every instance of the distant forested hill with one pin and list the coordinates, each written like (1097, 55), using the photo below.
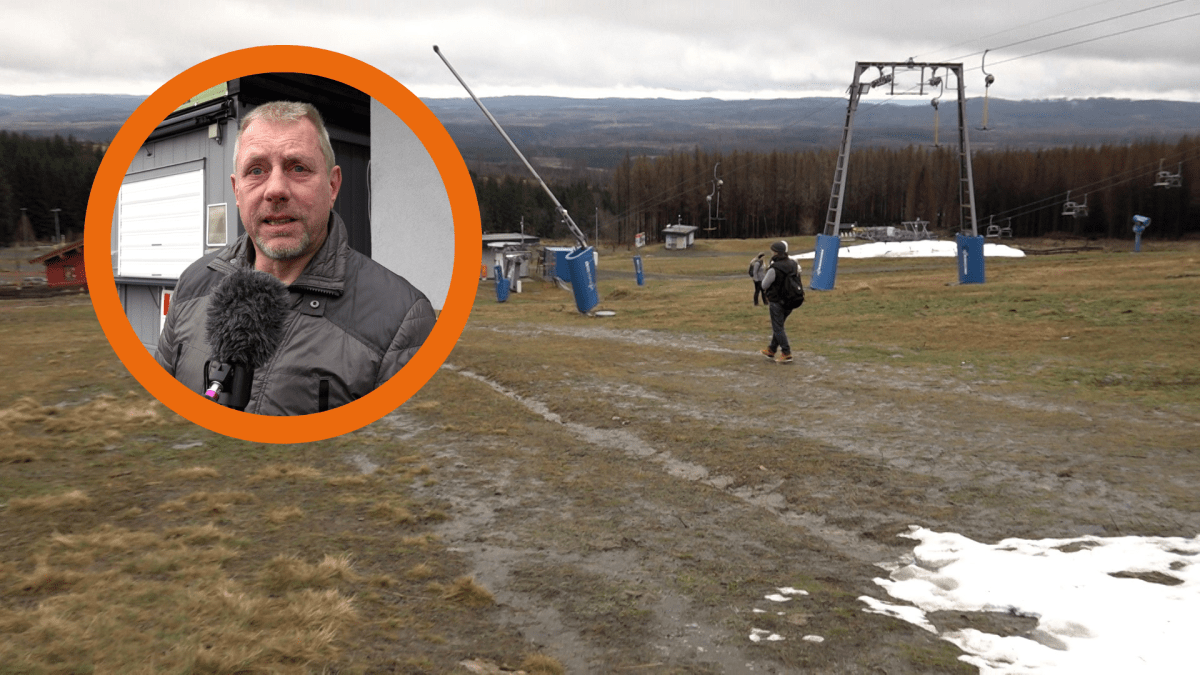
(636, 164)
(87, 117)
(598, 132)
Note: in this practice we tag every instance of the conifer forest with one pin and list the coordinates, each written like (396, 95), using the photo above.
(38, 174)
(787, 193)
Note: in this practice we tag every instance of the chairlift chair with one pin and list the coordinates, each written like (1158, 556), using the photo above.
(1166, 179)
(1074, 209)
(714, 216)
(993, 230)
(1006, 231)
(988, 79)
(936, 80)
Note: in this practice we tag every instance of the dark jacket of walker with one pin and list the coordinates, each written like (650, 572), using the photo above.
(780, 267)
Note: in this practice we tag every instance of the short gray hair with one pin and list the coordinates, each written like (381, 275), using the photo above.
(286, 112)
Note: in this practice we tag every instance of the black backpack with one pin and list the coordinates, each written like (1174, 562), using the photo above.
(790, 293)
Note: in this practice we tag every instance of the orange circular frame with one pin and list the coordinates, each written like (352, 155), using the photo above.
(467, 250)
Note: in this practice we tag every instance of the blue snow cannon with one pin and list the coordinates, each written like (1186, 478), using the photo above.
(1140, 223)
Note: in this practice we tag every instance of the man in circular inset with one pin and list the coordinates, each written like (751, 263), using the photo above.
(348, 323)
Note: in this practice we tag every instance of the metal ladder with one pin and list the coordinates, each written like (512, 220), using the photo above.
(833, 217)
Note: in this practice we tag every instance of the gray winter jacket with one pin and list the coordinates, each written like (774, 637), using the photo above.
(353, 324)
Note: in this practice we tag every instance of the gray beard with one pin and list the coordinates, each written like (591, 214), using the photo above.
(282, 252)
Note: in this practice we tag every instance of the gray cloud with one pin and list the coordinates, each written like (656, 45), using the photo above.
(751, 48)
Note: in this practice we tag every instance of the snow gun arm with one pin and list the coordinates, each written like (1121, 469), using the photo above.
(562, 212)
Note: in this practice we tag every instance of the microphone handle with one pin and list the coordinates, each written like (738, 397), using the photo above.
(216, 374)
(229, 383)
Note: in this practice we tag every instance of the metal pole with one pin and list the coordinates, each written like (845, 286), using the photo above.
(57, 236)
(966, 192)
(561, 211)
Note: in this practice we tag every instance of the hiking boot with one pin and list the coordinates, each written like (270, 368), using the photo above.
(768, 353)
(785, 357)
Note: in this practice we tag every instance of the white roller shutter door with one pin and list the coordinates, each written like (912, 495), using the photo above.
(161, 225)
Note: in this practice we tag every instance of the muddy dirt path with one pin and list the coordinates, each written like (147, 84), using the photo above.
(660, 503)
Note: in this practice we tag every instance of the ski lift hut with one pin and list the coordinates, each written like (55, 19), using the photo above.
(506, 249)
(679, 236)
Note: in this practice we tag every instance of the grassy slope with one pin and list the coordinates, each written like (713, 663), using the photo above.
(136, 542)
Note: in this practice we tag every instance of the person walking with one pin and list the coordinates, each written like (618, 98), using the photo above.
(757, 270)
(773, 285)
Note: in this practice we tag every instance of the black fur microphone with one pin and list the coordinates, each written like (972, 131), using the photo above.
(244, 327)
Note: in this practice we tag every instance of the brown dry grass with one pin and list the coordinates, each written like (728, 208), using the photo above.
(137, 543)
(137, 601)
(286, 472)
(467, 591)
(192, 473)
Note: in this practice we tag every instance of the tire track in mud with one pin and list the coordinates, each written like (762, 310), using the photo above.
(684, 634)
(885, 413)
(482, 530)
(762, 496)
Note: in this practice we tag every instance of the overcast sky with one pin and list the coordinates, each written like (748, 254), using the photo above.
(732, 49)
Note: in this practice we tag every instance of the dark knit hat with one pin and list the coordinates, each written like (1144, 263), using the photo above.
(779, 247)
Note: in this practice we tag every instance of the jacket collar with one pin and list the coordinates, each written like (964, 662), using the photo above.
(325, 273)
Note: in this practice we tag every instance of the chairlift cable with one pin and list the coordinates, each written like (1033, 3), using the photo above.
(1074, 28)
(1099, 37)
(1009, 30)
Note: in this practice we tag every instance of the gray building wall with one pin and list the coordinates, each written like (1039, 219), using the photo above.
(142, 298)
(142, 308)
(412, 227)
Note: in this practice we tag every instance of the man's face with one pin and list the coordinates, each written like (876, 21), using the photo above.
(284, 192)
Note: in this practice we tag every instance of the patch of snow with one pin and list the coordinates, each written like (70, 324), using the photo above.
(1123, 604)
(758, 635)
(915, 249)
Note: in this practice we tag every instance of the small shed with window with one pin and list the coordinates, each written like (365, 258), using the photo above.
(679, 236)
(64, 266)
